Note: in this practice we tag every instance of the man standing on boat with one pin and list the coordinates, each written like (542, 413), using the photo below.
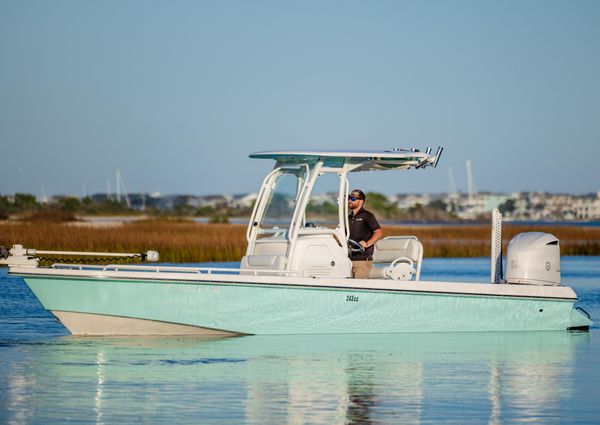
(365, 230)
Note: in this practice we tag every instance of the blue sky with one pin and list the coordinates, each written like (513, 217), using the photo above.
(176, 94)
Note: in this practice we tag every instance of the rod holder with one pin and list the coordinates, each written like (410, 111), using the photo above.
(438, 154)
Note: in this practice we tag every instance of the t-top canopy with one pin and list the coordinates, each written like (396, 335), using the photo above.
(393, 159)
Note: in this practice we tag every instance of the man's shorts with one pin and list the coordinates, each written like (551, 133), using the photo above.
(361, 269)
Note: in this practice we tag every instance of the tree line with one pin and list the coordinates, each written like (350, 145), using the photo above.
(66, 208)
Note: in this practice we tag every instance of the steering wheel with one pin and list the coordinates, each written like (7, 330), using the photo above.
(355, 247)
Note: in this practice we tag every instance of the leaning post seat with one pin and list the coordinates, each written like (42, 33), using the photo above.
(268, 254)
(392, 248)
(263, 262)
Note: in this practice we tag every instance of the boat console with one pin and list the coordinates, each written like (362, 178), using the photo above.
(280, 237)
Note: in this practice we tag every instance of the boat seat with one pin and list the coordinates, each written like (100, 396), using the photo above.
(263, 262)
(399, 249)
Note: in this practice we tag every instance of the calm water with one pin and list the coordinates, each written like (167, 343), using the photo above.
(47, 376)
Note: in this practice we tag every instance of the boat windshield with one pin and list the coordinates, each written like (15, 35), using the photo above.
(322, 209)
(280, 205)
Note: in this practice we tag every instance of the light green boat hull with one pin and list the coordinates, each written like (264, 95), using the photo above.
(275, 309)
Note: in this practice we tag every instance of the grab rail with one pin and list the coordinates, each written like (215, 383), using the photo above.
(175, 269)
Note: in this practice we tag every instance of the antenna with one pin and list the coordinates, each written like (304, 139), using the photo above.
(121, 187)
(469, 180)
(44, 198)
(108, 194)
(451, 183)
(127, 202)
(118, 185)
(143, 197)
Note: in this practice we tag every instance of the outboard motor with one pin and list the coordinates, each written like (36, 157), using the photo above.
(533, 258)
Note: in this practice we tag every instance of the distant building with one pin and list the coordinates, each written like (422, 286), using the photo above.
(517, 206)
(243, 201)
(587, 208)
(405, 202)
(478, 204)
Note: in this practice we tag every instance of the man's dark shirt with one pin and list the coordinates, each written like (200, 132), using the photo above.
(362, 225)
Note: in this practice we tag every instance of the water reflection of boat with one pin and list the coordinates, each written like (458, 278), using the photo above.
(295, 277)
(300, 379)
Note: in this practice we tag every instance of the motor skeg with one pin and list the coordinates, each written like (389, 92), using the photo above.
(533, 258)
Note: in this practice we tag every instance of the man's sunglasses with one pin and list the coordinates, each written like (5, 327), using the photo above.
(354, 198)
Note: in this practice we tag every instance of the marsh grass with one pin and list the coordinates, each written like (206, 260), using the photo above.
(474, 241)
(177, 242)
(190, 242)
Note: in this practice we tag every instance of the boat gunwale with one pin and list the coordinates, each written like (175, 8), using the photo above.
(433, 288)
